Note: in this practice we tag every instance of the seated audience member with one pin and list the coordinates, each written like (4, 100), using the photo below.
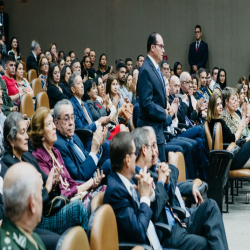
(114, 95)
(3, 171)
(203, 83)
(16, 147)
(217, 90)
(3, 48)
(23, 208)
(2, 119)
(72, 55)
(53, 52)
(243, 80)
(81, 111)
(186, 113)
(177, 69)
(80, 163)
(15, 51)
(75, 66)
(43, 136)
(165, 69)
(2, 64)
(92, 56)
(140, 60)
(54, 92)
(230, 132)
(100, 90)
(43, 69)
(103, 69)
(48, 56)
(86, 52)
(128, 80)
(85, 67)
(133, 212)
(64, 81)
(67, 60)
(129, 64)
(191, 94)
(213, 78)
(22, 82)
(119, 60)
(8, 104)
(221, 81)
(61, 63)
(32, 61)
(243, 107)
(196, 92)
(126, 95)
(61, 54)
(14, 91)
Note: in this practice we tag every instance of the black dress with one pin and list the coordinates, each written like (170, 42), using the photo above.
(66, 89)
(100, 73)
(55, 95)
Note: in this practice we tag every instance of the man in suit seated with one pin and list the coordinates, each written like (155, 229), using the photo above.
(22, 198)
(80, 163)
(198, 52)
(203, 83)
(32, 61)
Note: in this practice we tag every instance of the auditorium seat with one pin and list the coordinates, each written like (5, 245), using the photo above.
(26, 105)
(31, 75)
(96, 201)
(24, 66)
(42, 100)
(36, 86)
(24, 74)
(131, 125)
(74, 238)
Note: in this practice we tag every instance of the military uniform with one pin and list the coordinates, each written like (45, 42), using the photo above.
(12, 238)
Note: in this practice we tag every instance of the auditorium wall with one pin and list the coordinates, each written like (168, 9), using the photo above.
(120, 28)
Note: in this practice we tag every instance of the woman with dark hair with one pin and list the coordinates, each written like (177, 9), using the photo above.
(215, 114)
(61, 63)
(43, 68)
(22, 82)
(53, 51)
(103, 69)
(67, 60)
(243, 80)
(64, 78)
(16, 146)
(48, 56)
(177, 69)
(221, 81)
(85, 66)
(61, 54)
(54, 91)
(14, 49)
(72, 55)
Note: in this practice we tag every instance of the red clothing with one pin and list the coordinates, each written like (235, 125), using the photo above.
(11, 85)
(115, 131)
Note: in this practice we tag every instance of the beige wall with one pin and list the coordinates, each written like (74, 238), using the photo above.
(120, 28)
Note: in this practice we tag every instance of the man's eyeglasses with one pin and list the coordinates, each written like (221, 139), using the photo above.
(160, 45)
(67, 118)
(188, 82)
(153, 146)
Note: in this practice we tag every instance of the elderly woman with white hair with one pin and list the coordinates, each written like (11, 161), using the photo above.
(16, 147)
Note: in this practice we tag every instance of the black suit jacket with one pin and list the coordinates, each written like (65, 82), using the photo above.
(6, 26)
(31, 62)
(132, 222)
(152, 99)
(55, 95)
(3, 171)
(200, 58)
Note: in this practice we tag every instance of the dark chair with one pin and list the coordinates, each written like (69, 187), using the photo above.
(84, 134)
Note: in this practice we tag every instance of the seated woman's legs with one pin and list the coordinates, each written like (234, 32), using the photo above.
(48, 238)
(72, 214)
(241, 158)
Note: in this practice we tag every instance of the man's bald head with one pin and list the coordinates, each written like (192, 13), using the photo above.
(185, 79)
(20, 183)
(174, 85)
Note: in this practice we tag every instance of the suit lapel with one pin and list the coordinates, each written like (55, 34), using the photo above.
(80, 108)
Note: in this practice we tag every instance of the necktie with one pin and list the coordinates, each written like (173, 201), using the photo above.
(77, 150)
(181, 201)
(175, 216)
(163, 84)
(151, 233)
(86, 114)
(197, 47)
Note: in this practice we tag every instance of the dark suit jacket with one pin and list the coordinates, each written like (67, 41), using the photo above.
(200, 58)
(152, 99)
(95, 111)
(28, 157)
(6, 26)
(3, 171)
(81, 120)
(78, 170)
(132, 221)
(31, 62)
(54, 95)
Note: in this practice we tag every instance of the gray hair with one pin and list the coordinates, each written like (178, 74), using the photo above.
(57, 107)
(150, 130)
(140, 136)
(226, 94)
(201, 70)
(71, 81)
(34, 44)
(16, 194)
(10, 129)
(162, 63)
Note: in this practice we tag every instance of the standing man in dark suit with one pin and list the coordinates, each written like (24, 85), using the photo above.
(198, 52)
(4, 20)
(32, 59)
(151, 91)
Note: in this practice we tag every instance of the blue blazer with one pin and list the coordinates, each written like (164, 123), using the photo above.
(132, 221)
(200, 58)
(81, 120)
(78, 170)
(152, 99)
